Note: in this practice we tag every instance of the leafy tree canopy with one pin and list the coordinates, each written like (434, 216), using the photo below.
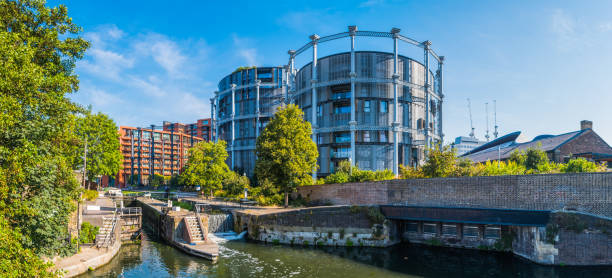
(39, 47)
(103, 147)
(286, 154)
(441, 162)
(206, 166)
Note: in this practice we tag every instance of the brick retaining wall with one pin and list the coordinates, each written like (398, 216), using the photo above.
(586, 192)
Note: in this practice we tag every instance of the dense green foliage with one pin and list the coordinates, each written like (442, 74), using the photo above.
(441, 162)
(156, 180)
(206, 166)
(103, 152)
(39, 47)
(233, 186)
(266, 194)
(88, 233)
(579, 165)
(286, 154)
(90, 195)
(16, 260)
(444, 163)
(347, 173)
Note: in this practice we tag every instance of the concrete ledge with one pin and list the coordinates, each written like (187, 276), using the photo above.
(88, 257)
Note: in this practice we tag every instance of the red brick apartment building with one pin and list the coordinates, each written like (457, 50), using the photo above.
(147, 151)
(202, 128)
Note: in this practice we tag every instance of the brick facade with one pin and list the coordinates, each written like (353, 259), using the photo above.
(585, 192)
(584, 144)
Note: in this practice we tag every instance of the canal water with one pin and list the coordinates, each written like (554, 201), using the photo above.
(153, 258)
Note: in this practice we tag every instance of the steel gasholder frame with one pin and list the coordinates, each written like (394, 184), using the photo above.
(394, 34)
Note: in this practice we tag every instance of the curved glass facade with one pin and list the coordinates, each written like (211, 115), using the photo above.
(374, 105)
(241, 109)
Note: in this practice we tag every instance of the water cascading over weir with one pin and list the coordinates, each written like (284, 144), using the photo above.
(220, 223)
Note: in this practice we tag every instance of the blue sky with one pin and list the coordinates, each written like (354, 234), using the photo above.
(547, 63)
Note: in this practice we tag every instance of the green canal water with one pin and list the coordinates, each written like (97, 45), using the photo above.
(153, 258)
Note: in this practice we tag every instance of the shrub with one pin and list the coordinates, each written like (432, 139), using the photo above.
(580, 165)
(407, 172)
(338, 177)
(88, 233)
(347, 173)
(90, 195)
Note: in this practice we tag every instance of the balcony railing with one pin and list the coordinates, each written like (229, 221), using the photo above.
(341, 154)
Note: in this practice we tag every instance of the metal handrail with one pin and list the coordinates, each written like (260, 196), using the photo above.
(111, 236)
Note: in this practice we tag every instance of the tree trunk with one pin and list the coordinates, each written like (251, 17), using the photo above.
(286, 198)
(211, 195)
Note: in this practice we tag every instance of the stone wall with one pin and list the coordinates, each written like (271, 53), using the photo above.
(585, 192)
(328, 226)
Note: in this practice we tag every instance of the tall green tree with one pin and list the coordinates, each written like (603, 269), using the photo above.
(286, 154)
(441, 162)
(206, 166)
(39, 47)
(103, 147)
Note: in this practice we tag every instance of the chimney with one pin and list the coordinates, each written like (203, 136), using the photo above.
(586, 124)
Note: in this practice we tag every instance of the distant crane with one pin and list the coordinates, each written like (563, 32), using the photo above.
(471, 124)
(487, 112)
(495, 133)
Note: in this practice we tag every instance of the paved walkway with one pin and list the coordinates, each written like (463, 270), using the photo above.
(88, 257)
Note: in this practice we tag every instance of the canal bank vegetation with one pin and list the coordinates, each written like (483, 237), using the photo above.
(88, 233)
(347, 173)
(443, 162)
(42, 137)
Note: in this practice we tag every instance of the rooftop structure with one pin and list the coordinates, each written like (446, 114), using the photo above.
(202, 128)
(464, 144)
(560, 148)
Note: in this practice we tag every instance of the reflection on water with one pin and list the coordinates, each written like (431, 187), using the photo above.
(246, 259)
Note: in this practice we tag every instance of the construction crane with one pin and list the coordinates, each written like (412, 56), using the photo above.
(471, 123)
(487, 112)
(495, 133)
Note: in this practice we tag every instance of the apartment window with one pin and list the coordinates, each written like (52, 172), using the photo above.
(384, 107)
(342, 109)
(366, 106)
(319, 111)
(449, 230)
(412, 227)
(383, 136)
(343, 138)
(430, 228)
(492, 232)
(366, 136)
(341, 95)
(470, 231)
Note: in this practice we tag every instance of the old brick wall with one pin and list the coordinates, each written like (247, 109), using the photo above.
(586, 142)
(586, 192)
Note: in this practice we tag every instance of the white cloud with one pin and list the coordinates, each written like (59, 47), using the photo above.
(164, 52)
(244, 51)
(563, 24)
(568, 33)
(606, 27)
(100, 98)
(106, 63)
(147, 87)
